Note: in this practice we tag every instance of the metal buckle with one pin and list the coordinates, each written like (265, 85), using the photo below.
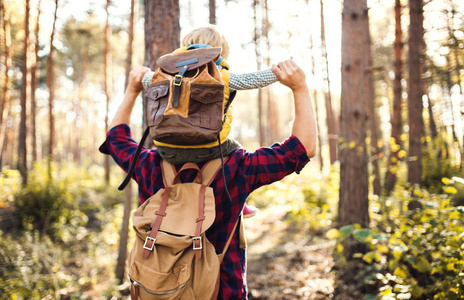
(152, 245)
(197, 238)
(180, 80)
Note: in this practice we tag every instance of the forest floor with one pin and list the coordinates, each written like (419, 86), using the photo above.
(286, 262)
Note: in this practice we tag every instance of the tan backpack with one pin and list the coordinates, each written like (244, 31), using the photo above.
(171, 257)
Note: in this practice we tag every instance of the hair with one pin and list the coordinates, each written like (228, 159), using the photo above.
(208, 35)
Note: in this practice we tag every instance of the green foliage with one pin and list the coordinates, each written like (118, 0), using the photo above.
(311, 200)
(69, 238)
(48, 204)
(437, 166)
(420, 256)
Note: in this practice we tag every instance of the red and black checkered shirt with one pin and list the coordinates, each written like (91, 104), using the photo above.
(244, 172)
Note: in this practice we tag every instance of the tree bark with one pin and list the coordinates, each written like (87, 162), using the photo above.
(415, 106)
(25, 102)
(36, 144)
(331, 120)
(162, 35)
(124, 234)
(51, 97)
(256, 40)
(212, 12)
(396, 124)
(5, 104)
(107, 83)
(353, 200)
(316, 104)
(372, 112)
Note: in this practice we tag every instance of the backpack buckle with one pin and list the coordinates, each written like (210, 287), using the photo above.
(146, 241)
(178, 80)
(197, 238)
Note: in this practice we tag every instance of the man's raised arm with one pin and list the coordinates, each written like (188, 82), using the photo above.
(134, 87)
(304, 122)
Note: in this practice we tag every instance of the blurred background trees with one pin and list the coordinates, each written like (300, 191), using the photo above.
(386, 79)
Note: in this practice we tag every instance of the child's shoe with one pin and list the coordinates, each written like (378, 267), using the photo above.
(249, 211)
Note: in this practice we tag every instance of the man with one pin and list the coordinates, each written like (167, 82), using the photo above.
(244, 171)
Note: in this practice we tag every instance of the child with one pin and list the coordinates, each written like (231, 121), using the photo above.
(210, 37)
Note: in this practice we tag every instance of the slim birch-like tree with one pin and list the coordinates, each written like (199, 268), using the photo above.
(51, 97)
(107, 83)
(331, 120)
(5, 102)
(415, 92)
(25, 102)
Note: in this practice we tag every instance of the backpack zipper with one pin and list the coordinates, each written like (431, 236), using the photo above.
(158, 293)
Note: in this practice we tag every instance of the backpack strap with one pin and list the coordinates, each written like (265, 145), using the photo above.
(209, 171)
(134, 160)
(168, 171)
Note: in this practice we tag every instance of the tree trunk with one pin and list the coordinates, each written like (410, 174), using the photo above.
(415, 107)
(331, 121)
(5, 107)
(25, 102)
(51, 98)
(396, 123)
(36, 153)
(212, 11)
(162, 35)
(107, 84)
(316, 104)
(272, 116)
(256, 40)
(353, 202)
(372, 113)
(124, 234)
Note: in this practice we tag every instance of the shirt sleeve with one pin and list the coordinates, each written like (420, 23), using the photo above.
(146, 80)
(254, 80)
(120, 145)
(269, 164)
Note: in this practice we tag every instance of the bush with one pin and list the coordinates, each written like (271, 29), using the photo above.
(48, 204)
(422, 256)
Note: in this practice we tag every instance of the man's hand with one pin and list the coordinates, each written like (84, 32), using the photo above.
(135, 80)
(134, 87)
(290, 74)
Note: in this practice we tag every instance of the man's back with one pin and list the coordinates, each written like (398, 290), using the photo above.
(244, 172)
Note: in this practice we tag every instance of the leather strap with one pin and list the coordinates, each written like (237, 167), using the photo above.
(134, 160)
(221, 256)
(178, 85)
(156, 223)
(197, 242)
(134, 292)
(188, 166)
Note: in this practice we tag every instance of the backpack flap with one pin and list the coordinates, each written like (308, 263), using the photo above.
(173, 63)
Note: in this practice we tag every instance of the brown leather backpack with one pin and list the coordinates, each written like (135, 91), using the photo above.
(185, 101)
(186, 97)
(171, 257)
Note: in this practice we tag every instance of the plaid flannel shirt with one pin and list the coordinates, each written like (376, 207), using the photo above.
(244, 172)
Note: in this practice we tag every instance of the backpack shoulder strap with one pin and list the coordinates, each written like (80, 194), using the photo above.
(221, 256)
(210, 169)
(168, 171)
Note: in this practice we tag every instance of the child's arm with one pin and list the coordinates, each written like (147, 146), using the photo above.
(254, 80)
(247, 81)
